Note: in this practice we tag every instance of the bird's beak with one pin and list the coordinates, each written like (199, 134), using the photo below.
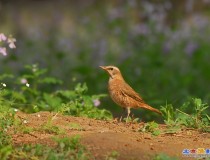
(103, 67)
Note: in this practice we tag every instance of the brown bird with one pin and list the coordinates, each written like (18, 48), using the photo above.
(122, 94)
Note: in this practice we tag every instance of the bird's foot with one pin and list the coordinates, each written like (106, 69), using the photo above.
(128, 119)
(120, 120)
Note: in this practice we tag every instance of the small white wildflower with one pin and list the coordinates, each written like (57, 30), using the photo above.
(12, 45)
(25, 121)
(34, 68)
(3, 84)
(27, 85)
(15, 109)
(11, 42)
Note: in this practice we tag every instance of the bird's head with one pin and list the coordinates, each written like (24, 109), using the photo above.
(112, 71)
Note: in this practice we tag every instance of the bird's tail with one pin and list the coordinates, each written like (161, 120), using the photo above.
(146, 106)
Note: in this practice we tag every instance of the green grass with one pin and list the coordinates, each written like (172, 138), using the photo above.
(75, 126)
(65, 149)
(50, 128)
(164, 157)
(37, 96)
(198, 117)
(151, 127)
(112, 155)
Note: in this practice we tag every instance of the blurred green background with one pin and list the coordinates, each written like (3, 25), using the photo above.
(162, 47)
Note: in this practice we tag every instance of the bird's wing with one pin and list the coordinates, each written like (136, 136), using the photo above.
(128, 91)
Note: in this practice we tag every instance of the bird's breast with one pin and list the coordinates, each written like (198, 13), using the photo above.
(115, 91)
(120, 93)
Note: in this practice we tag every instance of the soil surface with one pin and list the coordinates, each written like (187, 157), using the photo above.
(104, 137)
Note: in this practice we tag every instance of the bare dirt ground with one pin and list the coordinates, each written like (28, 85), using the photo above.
(103, 137)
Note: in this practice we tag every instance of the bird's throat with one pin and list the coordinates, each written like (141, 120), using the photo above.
(111, 76)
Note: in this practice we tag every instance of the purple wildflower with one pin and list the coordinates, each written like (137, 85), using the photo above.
(191, 48)
(96, 102)
(167, 47)
(23, 81)
(141, 29)
(2, 37)
(3, 51)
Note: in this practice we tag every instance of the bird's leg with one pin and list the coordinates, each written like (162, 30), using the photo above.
(122, 114)
(129, 111)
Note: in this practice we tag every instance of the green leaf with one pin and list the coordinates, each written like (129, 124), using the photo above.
(4, 76)
(49, 80)
(51, 100)
(68, 94)
(81, 88)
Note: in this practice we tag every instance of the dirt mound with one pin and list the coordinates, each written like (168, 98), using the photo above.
(104, 137)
